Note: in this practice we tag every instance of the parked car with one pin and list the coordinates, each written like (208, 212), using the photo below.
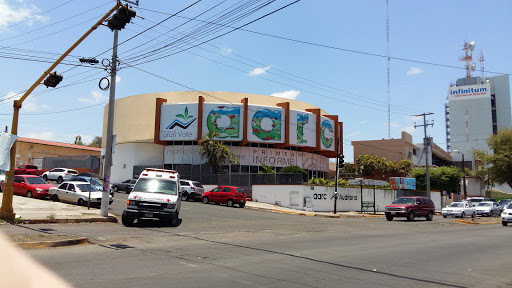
(506, 215)
(488, 208)
(77, 193)
(28, 170)
(476, 200)
(459, 209)
(126, 185)
(30, 186)
(59, 174)
(504, 203)
(228, 195)
(411, 207)
(95, 182)
(191, 190)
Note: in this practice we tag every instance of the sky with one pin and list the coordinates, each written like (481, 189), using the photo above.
(329, 53)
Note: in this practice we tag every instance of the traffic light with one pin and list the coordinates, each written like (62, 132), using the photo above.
(341, 161)
(121, 18)
(52, 80)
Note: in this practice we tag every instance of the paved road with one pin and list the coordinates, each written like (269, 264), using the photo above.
(217, 246)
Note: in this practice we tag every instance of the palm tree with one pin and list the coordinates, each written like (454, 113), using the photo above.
(216, 153)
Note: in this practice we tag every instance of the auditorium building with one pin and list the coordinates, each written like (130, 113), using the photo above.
(162, 130)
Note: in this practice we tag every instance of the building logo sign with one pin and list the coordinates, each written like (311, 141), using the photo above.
(182, 120)
(470, 91)
(178, 122)
(224, 122)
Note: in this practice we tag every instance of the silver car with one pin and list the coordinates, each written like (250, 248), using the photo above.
(77, 193)
(191, 190)
(459, 209)
(488, 208)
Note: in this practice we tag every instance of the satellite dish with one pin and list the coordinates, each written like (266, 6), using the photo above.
(473, 67)
(472, 45)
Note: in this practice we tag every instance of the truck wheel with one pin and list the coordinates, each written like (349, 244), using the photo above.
(127, 221)
(389, 217)
(410, 216)
(174, 219)
(242, 205)
(431, 215)
(60, 180)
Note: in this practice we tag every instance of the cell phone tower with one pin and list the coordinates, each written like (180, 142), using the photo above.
(482, 70)
(468, 57)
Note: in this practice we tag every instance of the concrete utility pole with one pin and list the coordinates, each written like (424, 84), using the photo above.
(6, 211)
(427, 142)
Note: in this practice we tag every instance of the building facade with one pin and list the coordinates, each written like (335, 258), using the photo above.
(163, 130)
(476, 109)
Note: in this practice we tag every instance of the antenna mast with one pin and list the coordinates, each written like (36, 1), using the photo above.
(468, 57)
(388, 90)
(482, 70)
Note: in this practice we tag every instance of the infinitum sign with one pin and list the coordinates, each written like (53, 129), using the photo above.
(471, 91)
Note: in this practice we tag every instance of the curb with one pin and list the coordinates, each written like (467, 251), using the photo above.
(311, 214)
(112, 219)
(472, 222)
(57, 243)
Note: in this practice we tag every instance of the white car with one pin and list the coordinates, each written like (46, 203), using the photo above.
(488, 208)
(506, 215)
(77, 193)
(59, 174)
(191, 190)
(459, 209)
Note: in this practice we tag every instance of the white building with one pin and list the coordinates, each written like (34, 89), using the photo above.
(475, 110)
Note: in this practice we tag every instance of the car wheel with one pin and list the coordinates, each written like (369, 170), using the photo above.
(127, 221)
(115, 188)
(230, 203)
(81, 202)
(60, 180)
(45, 178)
(410, 216)
(242, 205)
(430, 215)
(206, 200)
(389, 217)
(491, 214)
(504, 223)
(444, 216)
(29, 194)
(174, 219)
(462, 214)
(473, 215)
(55, 198)
(184, 196)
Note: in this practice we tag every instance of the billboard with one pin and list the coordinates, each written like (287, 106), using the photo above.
(224, 120)
(327, 134)
(470, 91)
(302, 128)
(266, 124)
(178, 122)
(402, 183)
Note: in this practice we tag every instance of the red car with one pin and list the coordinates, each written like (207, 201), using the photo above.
(228, 195)
(30, 186)
(411, 207)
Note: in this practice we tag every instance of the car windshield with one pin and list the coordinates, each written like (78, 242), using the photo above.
(456, 204)
(476, 200)
(509, 206)
(150, 185)
(197, 184)
(35, 180)
(86, 187)
(404, 201)
(484, 204)
(504, 201)
(239, 190)
(95, 182)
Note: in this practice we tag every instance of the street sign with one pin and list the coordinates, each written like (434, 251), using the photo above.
(92, 162)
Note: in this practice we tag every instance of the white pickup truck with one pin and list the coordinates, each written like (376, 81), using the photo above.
(156, 195)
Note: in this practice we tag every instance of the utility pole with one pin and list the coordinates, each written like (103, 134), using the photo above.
(427, 142)
(115, 23)
(338, 163)
(6, 211)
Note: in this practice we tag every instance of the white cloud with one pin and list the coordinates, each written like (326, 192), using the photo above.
(364, 122)
(414, 71)
(409, 129)
(259, 71)
(96, 98)
(118, 79)
(291, 94)
(226, 51)
(10, 14)
(43, 135)
(353, 134)
(29, 104)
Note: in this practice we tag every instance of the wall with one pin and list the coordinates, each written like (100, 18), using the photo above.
(26, 152)
(130, 154)
(317, 198)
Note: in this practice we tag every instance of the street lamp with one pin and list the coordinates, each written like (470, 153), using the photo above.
(463, 175)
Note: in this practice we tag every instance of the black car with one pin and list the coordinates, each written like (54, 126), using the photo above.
(126, 185)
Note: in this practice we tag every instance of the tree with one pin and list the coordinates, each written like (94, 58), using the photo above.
(96, 142)
(499, 164)
(442, 178)
(295, 169)
(216, 153)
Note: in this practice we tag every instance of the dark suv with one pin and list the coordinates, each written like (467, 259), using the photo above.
(411, 207)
